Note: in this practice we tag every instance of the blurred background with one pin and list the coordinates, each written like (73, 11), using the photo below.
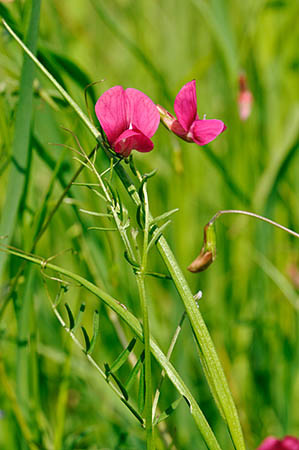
(244, 57)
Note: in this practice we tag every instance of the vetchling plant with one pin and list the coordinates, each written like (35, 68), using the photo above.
(128, 119)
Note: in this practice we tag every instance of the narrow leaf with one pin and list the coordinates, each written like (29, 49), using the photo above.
(112, 192)
(162, 276)
(71, 317)
(96, 330)
(20, 147)
(122, 358)
(79, 317)
(163, 216)
(58, 298)
(120, 385)
(102, 229)
(121, 213)
(146, 176)
(138, 417)
(130, 260)
(168, 411)
(86, 338)
(157, 234)
(94, 213)
(140, 216)
(132, 377)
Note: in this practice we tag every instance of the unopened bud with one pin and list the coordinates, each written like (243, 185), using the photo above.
(208, 251)
(245, 99)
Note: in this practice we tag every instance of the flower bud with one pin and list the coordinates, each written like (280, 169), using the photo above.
(245, 98)
(208, 251)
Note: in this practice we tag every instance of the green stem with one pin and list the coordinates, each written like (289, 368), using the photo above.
(135, 326)
(147, 363)
(146, 330)
(255, 216)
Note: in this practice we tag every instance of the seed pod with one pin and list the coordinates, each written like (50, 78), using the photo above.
(208, 251)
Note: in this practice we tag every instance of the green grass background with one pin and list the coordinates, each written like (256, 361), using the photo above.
(250, 293)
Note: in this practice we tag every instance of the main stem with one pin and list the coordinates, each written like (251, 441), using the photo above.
(147, 363)
(146, 331)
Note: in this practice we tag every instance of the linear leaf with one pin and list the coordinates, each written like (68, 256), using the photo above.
(130, 260)
(157, 233)
(163, 216)
(122, 358)
(134, 372)
(86, 339)
(71, 317)
(20, 148)
(79, 317)
(162, 276)
(96, 330)
(168, 411)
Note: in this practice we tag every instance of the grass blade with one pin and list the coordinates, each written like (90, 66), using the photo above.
(20, 149)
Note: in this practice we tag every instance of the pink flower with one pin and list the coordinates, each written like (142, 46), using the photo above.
(245, 98)
(287, 443)
(129, 119)
(188, 126)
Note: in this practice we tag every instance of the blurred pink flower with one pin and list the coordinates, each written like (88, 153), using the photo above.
(188, 126)
(129, 119)
(245, 98)
(287, 443)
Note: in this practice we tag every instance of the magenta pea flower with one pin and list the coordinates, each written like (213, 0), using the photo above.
(188, 125)
(287, 443)
(129, 119)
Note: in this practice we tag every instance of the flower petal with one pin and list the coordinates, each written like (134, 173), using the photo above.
(290, 443)
(142, 113)
(270, 443)
(132, 140)
(177, 129)
(111, 112)
(205, 131)
(185, 105)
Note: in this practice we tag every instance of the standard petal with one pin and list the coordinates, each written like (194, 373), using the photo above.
(290, 443)
(132, 140)
(205, 131)
(185, 105)
(270, 443)
(111, 112)
(142, 112)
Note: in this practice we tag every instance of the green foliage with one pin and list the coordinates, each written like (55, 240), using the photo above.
(250, 292)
